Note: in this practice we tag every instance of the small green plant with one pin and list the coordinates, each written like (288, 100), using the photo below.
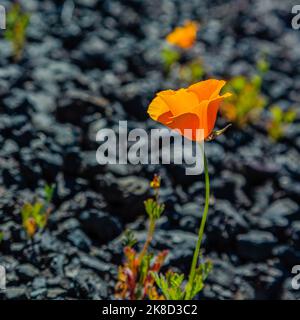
(17, 22)
(129, 239)
(172, 284)
(135, 279)
(139, 277)
(188, 72)
(169, 57)
(192, 71)
(279, 122)
(1, 236)
(247, 102)
(35, 215)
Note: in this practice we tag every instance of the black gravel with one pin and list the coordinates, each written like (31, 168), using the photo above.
(88, 64)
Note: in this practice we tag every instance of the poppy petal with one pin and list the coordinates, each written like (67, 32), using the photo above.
(165, 118)
(181, 102)
(212, 111)
(186, 124)
(157, 107)
(205, 90)
(184, 36)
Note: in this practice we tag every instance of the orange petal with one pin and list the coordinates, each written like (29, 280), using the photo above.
(185, 121)
(157, 107)
(205, 90)
(212, 111)
(209, 113)
(181, 102)
(165, 118)
(184, 36)
(166, 92)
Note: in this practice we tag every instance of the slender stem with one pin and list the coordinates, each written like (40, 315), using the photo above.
(201, 230)
(151, 229)
(149, 238)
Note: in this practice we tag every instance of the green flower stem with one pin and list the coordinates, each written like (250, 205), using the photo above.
(201, 230)
(151, 229)
(149, 238)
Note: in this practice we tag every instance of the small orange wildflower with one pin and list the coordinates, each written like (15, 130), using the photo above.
(155, 183)
(185, 36)
(193, 108)
(30, 226)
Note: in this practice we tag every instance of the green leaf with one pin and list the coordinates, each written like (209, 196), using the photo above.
(129, 239)
(277, 114)
(49, 190)
(16, 26)
(201, 275)
(169, 57)
(37, 208)
(144, 267)
(256, 82)
(197, 287)
(38, 215)
(176, 279)
(263, 65)
(197, 71)
(238, 83)
(162, 284)
(290, 116)
(26, 211)
(1, 236)
(170, 285)
(153, 209)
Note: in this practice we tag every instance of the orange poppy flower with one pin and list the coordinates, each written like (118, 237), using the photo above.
(193, 108)
(184, 37)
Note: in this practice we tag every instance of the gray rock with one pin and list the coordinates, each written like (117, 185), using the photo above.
(125, 194)
(284, 208)
(99, 225)
(288, 256)
(95, 264)
(295, 229)
(55, 293)
(16, 293)
(256, 245)
(27, 272)
(79, 240)
(38, 293)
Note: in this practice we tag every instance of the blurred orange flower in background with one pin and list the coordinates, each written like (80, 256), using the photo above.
(185, 36)
(195, 107)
